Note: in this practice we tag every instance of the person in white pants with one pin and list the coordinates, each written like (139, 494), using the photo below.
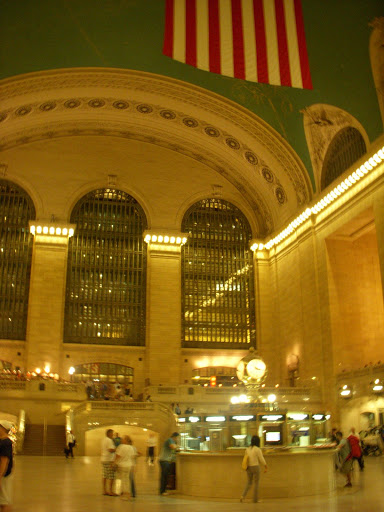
(124, 461)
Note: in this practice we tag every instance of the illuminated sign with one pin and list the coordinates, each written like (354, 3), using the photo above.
(271, 417)
(242, 418)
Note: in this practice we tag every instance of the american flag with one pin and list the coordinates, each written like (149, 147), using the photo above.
(256, 40)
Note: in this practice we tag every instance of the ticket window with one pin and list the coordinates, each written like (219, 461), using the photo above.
(192, 433)
(319, 432)
(241, 430)
(298, 434)
(272, 434)
(215, 442)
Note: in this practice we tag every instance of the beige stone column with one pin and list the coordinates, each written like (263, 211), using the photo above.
(378, 208)
(46, 302)
(163, 314)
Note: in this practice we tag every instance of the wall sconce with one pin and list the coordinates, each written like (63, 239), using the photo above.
(345, 392)
(377, 386)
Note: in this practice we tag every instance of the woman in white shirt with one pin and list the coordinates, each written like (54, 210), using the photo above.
(255, 459)
(125, 456)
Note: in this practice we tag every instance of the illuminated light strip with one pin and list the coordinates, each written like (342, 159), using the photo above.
(52, 230)
(165, 239)
(339, 190)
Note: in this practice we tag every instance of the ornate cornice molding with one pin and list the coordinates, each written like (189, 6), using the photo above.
(264, 161)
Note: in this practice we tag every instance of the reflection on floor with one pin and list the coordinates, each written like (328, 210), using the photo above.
(55, 484)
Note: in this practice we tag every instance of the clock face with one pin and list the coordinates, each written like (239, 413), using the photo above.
(256, 368)
(240, 370)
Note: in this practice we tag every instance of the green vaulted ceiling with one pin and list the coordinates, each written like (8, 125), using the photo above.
(39, 35)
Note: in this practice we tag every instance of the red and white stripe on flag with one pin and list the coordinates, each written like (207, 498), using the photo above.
(256, 40)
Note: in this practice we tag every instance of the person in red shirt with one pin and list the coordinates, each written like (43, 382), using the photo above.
(356, 450)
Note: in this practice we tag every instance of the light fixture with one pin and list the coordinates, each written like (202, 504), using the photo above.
(215, 418)
(271, 398)
(71, 371)
(51, 229)
(324, 202)
(165, 239)
(345, 392)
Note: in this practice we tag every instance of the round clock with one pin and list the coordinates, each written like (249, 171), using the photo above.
(256, 368)
(240, 370)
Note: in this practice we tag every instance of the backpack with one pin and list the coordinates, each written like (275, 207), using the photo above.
(354, 444)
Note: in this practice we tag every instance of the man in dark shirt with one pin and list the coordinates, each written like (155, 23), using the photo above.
(6, 463)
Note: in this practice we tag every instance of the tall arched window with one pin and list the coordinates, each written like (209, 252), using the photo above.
(106, 277)
(218, 306)
(345, 149)
(16, 210)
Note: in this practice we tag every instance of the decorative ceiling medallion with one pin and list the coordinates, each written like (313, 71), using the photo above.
(232, 143)
(251, 157)
(120, 105)
(191, 123)
(211, 131)
(280, 195)
(267, 175)
(144, 109)
(23, 111)
(96, 103)
(72, 104)
(49, 105)
(167, 114)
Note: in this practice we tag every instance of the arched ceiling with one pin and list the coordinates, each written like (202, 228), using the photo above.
(163, 112)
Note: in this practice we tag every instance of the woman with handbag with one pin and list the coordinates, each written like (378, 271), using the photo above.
(253, 458)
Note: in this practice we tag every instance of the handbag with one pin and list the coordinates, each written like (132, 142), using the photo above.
(244, 464)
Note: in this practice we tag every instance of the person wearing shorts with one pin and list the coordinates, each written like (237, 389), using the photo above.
(108, 449)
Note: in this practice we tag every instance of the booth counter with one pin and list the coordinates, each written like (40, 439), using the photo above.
(291, 473)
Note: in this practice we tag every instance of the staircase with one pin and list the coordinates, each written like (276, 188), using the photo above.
(33, 440)
(55, 440)
(44, 440)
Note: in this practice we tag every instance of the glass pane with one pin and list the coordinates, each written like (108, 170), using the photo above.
(345, 149)
(217, 277)
(16, 210)
(106, 279)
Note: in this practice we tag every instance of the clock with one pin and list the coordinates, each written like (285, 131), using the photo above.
(256, 369)
(240, 370)
(251, 370)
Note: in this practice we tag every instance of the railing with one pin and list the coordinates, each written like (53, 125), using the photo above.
(41, 387)
(13, 384)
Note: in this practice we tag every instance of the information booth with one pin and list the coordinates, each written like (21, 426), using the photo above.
(205, 432)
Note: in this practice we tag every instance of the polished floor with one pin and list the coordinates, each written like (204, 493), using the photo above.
(54, 484)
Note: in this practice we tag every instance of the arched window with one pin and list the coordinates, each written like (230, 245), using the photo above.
(106, 277)
(218, 307)
(16, 210)
(345, 149)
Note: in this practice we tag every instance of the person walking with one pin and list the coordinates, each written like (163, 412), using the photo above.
(124, 461)
(71, 443)
(356, 451)
(136, 454)
(345, 459)
(108, 450)
(6, 467)
(166, 458)
(151, 445)
(255, 459)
